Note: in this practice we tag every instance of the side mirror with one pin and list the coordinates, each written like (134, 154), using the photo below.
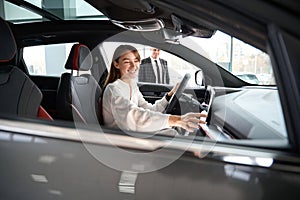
(199, 78)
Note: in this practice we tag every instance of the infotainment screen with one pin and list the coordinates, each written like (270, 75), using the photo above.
(208, 100)
(211, 96)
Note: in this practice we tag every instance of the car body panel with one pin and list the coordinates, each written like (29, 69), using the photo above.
(61, 166)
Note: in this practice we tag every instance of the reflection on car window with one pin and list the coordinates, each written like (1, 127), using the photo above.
(47, 60)
(247, 113)
(248, 63)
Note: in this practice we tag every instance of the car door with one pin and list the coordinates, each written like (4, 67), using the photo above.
(232, 163)
(61, 160)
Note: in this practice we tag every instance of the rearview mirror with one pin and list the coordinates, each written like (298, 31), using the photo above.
(189, 28)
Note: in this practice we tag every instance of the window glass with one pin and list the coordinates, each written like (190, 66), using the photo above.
(67, 10)
(37, 3)
(16, 13)
(246, 62)
(72, 8)
(85, 9)
(258, 112)
(177, 67)
(259, 108)
(47, 60)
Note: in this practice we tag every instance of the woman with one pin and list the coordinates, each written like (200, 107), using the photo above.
(123, 105)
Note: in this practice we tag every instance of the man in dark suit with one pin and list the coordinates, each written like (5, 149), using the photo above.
(154, 69)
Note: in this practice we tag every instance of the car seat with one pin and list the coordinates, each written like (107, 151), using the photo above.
(78, 95)
(19, 95)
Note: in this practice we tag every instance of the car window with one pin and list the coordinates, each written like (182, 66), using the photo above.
(47, 60)
(246, 62)
(254, 113)
(74, 10)
(177, 67)
(17, 14)
(247, 113)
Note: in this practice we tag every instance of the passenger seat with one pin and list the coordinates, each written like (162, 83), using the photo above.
(77, 95)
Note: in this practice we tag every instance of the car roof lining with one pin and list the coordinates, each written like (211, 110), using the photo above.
(218, 12)
(82, 31)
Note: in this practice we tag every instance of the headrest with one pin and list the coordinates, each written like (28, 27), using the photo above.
(80, 58)
(8, 45)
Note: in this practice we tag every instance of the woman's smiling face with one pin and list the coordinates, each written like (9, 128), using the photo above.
(128, 64)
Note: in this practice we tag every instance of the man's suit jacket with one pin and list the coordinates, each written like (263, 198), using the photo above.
(146, 73)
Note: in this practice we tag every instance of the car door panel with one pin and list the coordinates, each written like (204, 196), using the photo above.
(61, 167)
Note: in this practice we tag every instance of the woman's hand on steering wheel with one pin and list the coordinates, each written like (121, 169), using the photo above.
(174, 89)
(179, 88)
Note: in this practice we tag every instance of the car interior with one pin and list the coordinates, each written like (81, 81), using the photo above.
(60, 98)
(55, 56)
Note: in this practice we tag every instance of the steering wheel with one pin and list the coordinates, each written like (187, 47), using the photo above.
(177, 94)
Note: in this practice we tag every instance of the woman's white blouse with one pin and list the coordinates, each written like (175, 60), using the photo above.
(134, 114)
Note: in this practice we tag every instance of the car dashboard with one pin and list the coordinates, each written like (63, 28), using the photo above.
(233, 116)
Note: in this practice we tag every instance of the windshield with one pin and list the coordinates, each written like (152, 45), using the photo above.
(246, 62)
